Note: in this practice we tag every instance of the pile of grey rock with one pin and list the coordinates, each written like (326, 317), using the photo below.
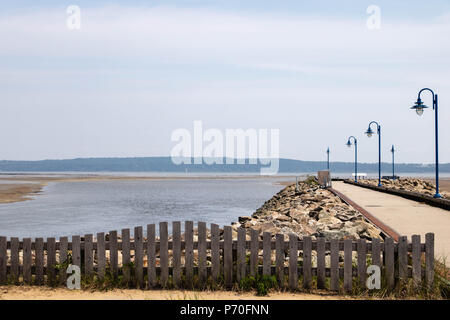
(409, 184)
(309, 210)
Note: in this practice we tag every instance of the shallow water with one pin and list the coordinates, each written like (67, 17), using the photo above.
(77, 208)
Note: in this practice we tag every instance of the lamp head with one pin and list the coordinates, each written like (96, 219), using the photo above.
(392, 149)
(419, 107)
(369, 132)
(348, 144)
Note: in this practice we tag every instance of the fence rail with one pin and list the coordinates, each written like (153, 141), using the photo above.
(187, 260)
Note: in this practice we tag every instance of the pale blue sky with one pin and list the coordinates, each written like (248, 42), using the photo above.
(137, 70)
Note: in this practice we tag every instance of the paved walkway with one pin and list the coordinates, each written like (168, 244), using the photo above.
(405, 216)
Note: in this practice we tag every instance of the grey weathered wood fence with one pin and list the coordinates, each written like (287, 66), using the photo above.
(201, 260)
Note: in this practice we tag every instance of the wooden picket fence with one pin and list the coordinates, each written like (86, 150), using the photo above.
(181, 262)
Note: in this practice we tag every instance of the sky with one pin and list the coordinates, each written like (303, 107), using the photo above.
(136, 71)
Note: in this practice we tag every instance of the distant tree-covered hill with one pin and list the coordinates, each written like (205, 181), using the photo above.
(165, 164)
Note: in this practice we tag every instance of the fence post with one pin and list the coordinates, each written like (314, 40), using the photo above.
(403, 258)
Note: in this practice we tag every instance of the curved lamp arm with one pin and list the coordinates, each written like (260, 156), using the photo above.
(432, 94)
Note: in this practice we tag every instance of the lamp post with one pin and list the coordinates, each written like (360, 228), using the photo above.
(369, 133)
(419, 107)
(349, 144)
(393, 171)
(328, 159)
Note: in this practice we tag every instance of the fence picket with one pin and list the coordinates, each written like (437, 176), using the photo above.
(39, 260)
(403, 257)
(279, 251)
(215, 253)
(113, 253)
(51, 260)
(416, 260)
(88, 255)
(151, 255)
(164, 253)
(362, 268)
(101, 255)
(27, 260)
(126, 260)
(241, 254)
(254, 250)
(228, 256)
(202, 253)
(3, 259)
(334, 265)
(267, 252)
(389, 262)
(376, 258)
(307, 272)
(348, 265)
(76, 251)
(429, 259)
(15, 260)
(176, 230)
(320, 263)
(189, 252)
(138, 257)
(63, 246)
(293, 261)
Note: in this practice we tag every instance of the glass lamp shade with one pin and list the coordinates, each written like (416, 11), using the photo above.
(369, 132)
(419, 107)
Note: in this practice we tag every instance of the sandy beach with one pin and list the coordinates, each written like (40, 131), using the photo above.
(44, 293)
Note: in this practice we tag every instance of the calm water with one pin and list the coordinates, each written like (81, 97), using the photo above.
(69, 208)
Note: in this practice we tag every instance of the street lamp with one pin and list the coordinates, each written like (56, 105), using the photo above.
(349, 144)
(419, 107)
(369, 133)
(328, 158)
(393, 172)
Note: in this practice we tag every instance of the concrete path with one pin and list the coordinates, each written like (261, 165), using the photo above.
(405, 216)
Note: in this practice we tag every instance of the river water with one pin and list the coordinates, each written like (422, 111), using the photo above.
(77, 208)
